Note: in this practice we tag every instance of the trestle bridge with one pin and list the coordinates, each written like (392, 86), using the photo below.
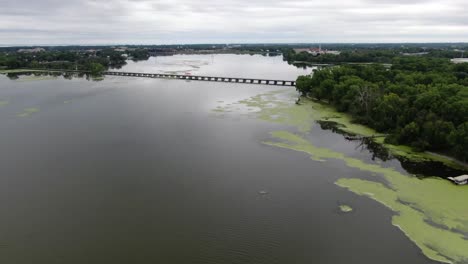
(261, 81)
(203, 78)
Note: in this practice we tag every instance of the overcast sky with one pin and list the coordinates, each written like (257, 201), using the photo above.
(231, 21)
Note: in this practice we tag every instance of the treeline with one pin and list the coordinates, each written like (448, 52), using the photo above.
(356, 56)
(350, 54)
(420, 102)
(94, 61)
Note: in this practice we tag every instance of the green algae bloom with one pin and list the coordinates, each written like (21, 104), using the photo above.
(20, 71)
(345, 208)
(34, 78)
(4, 103)
(433, 213)
(97, 78)
(272, 107)
(219, 109)
(418, 202)
(28, 112)
(437, 243)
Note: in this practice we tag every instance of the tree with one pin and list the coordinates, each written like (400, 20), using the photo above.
(437, 133)
(459, 141)
(409, 133)
(325, 89)
(303, 84)
(96, 68)
(365, 99)
(387, 113)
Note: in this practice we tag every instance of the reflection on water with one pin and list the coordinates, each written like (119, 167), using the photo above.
(37, 76)
(378, 151)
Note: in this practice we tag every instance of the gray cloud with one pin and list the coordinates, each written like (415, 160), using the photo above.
(222, 21)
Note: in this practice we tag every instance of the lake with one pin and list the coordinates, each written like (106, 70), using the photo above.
(135, 170)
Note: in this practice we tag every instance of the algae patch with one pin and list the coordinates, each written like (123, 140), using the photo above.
(27, 112)
(416, 201)
(345, 208)
(219, 109)
(4, 103)
(272, 107)
(97, 78)
(433, 213)
(436, 243)
(19, 71)
(33, 78)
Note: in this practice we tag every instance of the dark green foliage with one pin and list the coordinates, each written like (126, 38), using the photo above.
(96, 68)
(360, 56)
(139, 54)
(302, 84)
(459, 140)
(71, 59)
(421, 101)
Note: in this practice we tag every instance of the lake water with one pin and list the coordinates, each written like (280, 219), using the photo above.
(135, 170)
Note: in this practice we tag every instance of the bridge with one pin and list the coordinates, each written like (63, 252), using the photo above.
(175, 77)
(203, 78)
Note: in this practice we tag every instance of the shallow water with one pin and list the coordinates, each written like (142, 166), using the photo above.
(131, 170)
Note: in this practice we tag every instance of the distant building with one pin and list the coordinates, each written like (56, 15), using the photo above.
(459, 60)
(33, 50)
(121, 49)
(415, 53)
(302, 50)
(333, 52)
(317, 51)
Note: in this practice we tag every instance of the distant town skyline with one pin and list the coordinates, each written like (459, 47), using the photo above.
(94, 22)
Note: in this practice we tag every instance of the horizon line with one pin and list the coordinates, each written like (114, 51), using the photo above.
(233, 43)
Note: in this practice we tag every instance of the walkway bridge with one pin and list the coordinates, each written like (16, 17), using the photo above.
(203, 78)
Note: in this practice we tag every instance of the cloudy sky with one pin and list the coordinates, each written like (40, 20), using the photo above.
(231, 21)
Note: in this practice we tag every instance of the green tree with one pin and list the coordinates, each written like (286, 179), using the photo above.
(303, 84)
(459, 141)
(96, 68)
(388, 112)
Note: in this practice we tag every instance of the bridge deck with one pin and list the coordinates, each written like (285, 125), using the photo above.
(183, 77)
(203, 78)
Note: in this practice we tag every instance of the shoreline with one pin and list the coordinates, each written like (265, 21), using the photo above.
(398, 151)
